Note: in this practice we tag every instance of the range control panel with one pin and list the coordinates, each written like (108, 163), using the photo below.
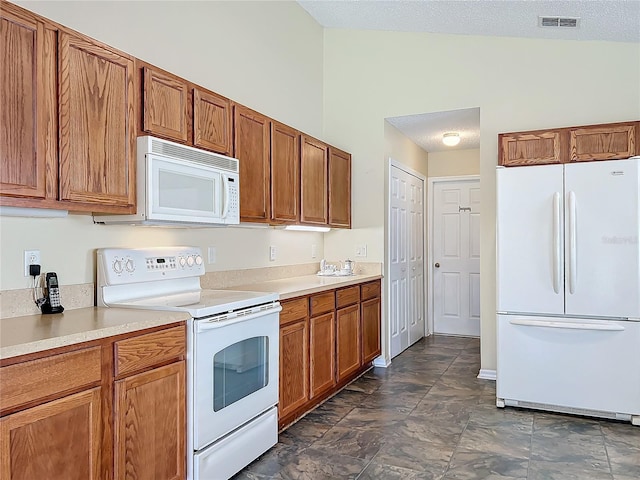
(120, 265)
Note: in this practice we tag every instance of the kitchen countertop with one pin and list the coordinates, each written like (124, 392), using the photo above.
(298, 286)
(35, 333)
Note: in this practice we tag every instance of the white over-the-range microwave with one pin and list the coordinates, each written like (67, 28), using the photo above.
(182, 186)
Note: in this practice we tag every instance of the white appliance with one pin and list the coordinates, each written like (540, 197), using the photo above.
(568, 288)
(232, 352)
(180, 185)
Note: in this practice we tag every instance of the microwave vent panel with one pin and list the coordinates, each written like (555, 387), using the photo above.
(192, 155)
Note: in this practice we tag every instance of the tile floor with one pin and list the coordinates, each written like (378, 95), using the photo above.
(427, 416)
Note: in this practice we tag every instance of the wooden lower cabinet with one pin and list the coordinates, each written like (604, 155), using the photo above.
(58, 440)
(370, 313)
(68, 414)
(294, 367)
(327, 340)
(321, 354)
(348, 339)
(151, 424)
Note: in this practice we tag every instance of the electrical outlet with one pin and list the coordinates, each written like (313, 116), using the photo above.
(314, 250)
(211, 254)
(361, 250)
(272, 253)
(31, 257)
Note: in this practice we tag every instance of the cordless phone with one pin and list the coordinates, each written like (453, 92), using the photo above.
(52, 295)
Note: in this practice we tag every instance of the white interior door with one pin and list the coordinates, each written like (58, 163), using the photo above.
(406, 259)
(456, 257)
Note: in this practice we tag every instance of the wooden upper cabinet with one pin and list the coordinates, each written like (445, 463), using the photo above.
(603, 142)
(28, 144)
(251, 148)
(165, 105)
(285, 173)
(529, 148)
(58, 440)
(97, 127)
(339, 188)
(314, 162)
(212, 122)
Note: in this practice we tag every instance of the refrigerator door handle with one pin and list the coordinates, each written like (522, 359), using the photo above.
(572, 243)
(607, 327)
(556, 242)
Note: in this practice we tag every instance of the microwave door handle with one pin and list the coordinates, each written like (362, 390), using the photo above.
(226, 201)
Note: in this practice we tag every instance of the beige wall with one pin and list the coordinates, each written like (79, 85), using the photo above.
(518, 84)
(266, 55)
(400, 148)
(454, 162)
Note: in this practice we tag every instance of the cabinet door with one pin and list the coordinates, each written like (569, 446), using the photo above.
(27, 99)
(211, 122)
(97, 134)
(529, 148)
(370, 312)
(285, 173)
(322, 338)
(602, 142)
(150, 424)
(339, 188)
(294, 367)
(348, 341)
(251, 147)
(59, 440)
(165, 105)
(314, 159)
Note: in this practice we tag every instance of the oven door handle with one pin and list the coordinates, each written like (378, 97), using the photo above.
(204, 325)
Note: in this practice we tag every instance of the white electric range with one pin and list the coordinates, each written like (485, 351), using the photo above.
(232, 352)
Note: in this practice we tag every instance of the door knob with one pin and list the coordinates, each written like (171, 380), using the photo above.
(437, 265)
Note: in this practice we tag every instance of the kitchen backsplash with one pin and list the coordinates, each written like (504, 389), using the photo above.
(15, 303)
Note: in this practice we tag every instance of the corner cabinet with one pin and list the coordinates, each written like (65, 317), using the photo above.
(610, 141)
(67, 110)
(110, 408)
(327, 340)
(28, 99)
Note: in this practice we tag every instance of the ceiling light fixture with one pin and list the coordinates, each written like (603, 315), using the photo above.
(451, 139)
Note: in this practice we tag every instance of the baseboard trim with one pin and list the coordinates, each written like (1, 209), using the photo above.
(487, 374)
(381, 362)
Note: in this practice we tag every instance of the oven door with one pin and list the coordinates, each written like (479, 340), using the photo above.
(235, 376)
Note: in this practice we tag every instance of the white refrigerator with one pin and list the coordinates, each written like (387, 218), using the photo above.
(568, 288)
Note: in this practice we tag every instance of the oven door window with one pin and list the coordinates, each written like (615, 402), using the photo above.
(240, 370)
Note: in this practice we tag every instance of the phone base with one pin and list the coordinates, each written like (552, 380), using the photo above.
(46, 309)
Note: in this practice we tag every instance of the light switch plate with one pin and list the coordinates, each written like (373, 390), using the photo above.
(211, 254)
(361, 250)
(272, 253)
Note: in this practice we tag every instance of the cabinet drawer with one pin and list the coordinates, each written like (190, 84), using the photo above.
(293, 310)
(147, 350)
(322, 303)
(347, 296)
(370, 290)
(30, 381)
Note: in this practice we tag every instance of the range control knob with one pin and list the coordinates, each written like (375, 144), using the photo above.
(182, 261)
(198, 260)
(117, 266)
(190, 261)
(129, 265)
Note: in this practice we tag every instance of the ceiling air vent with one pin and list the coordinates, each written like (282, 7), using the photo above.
(571, 22)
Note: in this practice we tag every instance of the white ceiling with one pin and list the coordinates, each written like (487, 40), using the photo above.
(426, 129)
(614, 20)
(604, 20)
